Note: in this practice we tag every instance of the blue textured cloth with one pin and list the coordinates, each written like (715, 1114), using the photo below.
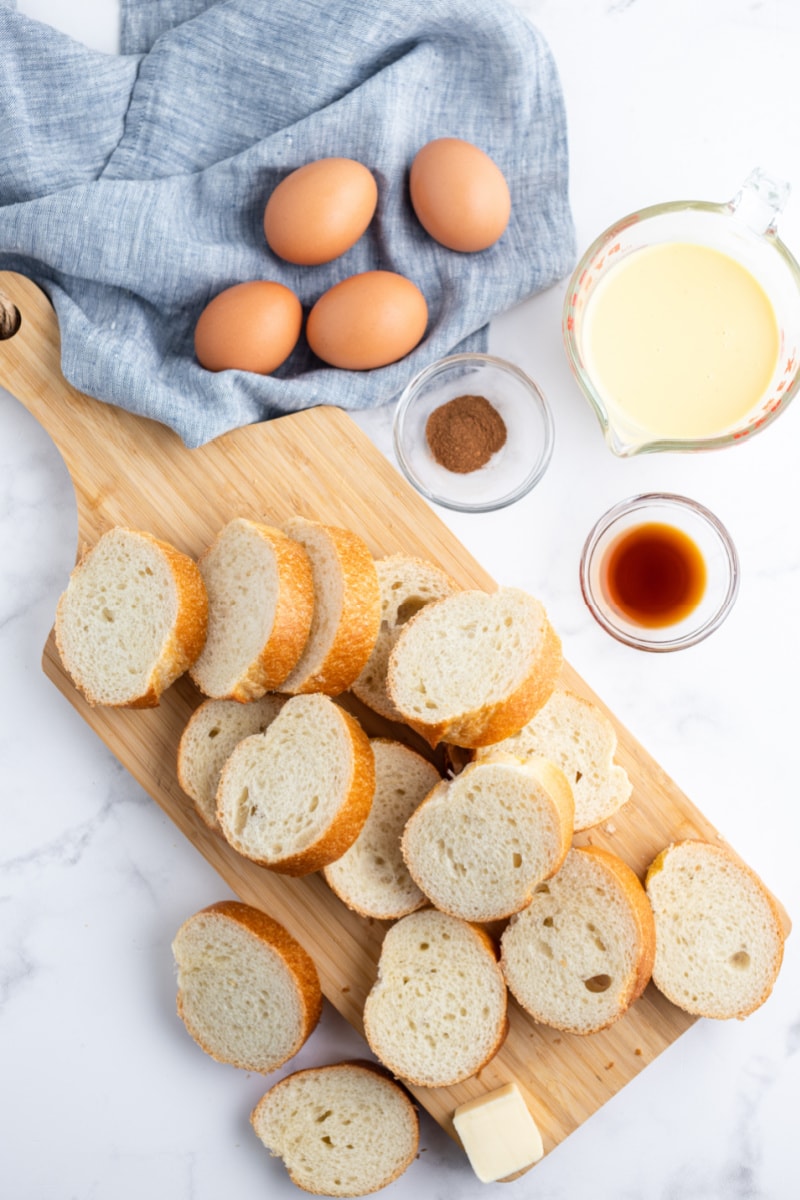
(132, 186)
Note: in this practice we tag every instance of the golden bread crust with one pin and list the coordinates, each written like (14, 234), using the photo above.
(496, 720)
(295, 958)
(185, 641)
(359, 621)
(772, 912)
(355, 1066)
(292, 620)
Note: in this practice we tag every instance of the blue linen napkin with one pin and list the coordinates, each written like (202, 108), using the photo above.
(132, 186)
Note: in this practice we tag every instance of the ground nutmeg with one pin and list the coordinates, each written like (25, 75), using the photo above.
(464, 433)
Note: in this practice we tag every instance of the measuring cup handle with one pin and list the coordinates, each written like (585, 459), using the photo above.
(760, 201)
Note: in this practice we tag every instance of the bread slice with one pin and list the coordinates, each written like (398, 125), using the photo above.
(213, 730)
(371, 877)
(480, 843)
(719, 935)
(295, 797)
(575, 735)
(132, 619)
(248, 993)
(474, 668)
(437, 1011)
(341, 1130)
(347, 609)
(406, 585)
(261, 597)
(582, 951)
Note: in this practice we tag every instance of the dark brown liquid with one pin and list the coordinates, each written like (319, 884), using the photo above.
(654, 575)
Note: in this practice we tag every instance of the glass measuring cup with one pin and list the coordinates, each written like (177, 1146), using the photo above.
(744, 229)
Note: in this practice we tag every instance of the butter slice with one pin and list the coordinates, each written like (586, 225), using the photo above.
(498, 1133)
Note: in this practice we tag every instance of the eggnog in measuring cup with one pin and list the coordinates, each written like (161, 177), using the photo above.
(681, 322)
(680, 340)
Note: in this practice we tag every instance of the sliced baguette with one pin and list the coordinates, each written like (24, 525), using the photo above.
(437, 1011)
(248, 993)
(347, 609)
(480, 843)
(406, 585)
(582, 951)
(579, 738)
(371, 877)
(261, 597)
(213, 730)
(341, 1130)
(132, 619)
(295, 797)
(719, 935)
(473, 668)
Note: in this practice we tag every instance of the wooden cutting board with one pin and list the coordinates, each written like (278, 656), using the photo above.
(131, 471)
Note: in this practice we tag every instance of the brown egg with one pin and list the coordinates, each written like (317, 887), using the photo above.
(248, 327)
(320, 210)
(367, 321)
(459, 194)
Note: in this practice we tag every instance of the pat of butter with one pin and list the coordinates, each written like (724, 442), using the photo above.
(498, 1133)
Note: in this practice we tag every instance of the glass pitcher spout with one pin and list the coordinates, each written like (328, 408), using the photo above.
(760, 201)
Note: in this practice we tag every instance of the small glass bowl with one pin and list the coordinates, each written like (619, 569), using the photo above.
(513, 470)
(711, 539)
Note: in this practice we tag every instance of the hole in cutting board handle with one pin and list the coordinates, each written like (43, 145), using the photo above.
(10, 318)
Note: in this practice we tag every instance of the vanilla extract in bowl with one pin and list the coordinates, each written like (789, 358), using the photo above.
(654, 574)
(659, 572)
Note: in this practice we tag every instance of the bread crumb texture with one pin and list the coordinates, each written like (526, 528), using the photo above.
(371, 877)
(248, 993)
(719, 937)
(295, 797)
(132, 619)
(480, 843)
(582, 952)
(213, 731)
(474, 667)
(437, 1011)
(578, 737)
(341, 1130)
(406, 586)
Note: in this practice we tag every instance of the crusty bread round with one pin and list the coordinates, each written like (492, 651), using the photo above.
(473, 668)
(248, 992)
(260, 601)
(295, 797)
(406, 585)
(437, 1011)
(341, 1130)
(480, 843)
(582, 951)
(347, 609)
(579, 738)
(213, 730)
(132, 619)
(371, 877)
(719, 935)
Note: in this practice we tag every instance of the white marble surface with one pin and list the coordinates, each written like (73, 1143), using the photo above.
(103, 1096)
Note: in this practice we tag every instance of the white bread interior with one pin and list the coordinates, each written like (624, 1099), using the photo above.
(406, 585)
(212, 732)
(371, 877)
(575, 735)
(132, 619)
(582, 951)
(341, 1130)
(248, 993)
(719, 936)
(474, 667)
(480, 843)
(437, 1011)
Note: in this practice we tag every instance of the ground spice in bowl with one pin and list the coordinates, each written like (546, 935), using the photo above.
(464, 433)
